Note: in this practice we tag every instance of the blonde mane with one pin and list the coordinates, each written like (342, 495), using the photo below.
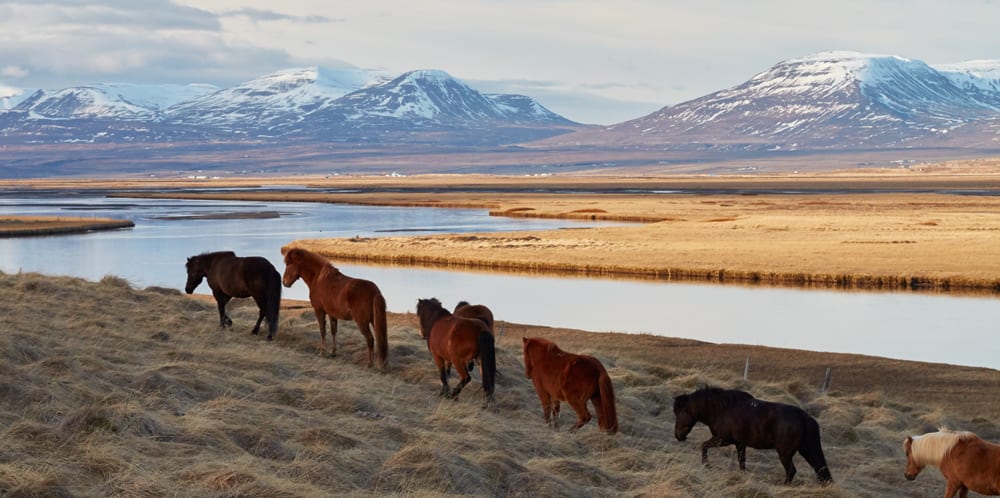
(930, 448)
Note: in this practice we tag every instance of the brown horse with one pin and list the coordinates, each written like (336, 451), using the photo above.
(340, 297)
(477, 311)
(573, 378)
(454, 340)
(231, 276)
(966, 461)
(736, 417)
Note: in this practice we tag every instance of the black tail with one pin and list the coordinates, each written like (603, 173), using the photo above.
(812, 450)
(273, 305)
(487, 360)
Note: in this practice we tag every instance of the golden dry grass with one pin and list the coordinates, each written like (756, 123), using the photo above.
(26, 226)
(891, 240)
(106, 390)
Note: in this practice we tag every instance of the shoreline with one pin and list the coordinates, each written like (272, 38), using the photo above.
(35, 226)
(874, 233)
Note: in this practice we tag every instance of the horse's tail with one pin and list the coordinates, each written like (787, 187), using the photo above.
(812, 450)
(487, 360)
(381, 332)
(273, 305)
(607, 417)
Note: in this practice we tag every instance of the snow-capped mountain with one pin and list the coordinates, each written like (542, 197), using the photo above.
(430, 101)
(109, 101)
(978, 74)
(277, 99)
(827, 100)
(346, 104)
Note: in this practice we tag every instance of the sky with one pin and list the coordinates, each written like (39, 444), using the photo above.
(592, 61)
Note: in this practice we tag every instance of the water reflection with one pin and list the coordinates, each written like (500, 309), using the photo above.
(935, 328)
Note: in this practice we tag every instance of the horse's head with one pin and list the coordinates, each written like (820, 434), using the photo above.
(428, 310)
(912, 467)
(196, 273)
(684, 419)
(292, 258)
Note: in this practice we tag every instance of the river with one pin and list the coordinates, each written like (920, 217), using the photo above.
(906, 325)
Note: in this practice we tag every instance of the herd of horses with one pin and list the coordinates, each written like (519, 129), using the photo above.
(465, 337)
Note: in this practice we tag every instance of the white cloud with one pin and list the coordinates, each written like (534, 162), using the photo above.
(641, 53)
(13, 72)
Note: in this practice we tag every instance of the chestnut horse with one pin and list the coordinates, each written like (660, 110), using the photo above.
(340, 297)
(456, 341)
(231, 276)
(736, 417)
(573, 378)
(966, 461)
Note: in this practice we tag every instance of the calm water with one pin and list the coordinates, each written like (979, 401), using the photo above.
(957, 330)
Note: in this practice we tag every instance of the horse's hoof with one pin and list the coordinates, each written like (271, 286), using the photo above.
(270, 337)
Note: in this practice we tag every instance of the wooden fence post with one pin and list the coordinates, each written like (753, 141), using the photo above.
(826, 380)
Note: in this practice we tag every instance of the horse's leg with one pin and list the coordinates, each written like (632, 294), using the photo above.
(963, 492)
(333, 336)
(741, 455)
(222, 300)
(555, 413)
(463, 374)
(786, 460)
(260, 317)
(367, 332)
(713, 442)
(321, 320)
(582, 413)
(443, 369)
(953, 486)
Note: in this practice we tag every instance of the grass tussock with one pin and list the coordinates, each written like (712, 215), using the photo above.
(108, 390)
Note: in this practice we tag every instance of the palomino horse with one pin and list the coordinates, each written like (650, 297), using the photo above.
(573, 378)
(736, 417)
(454, 340)
(230, 276)
(340, 297)
(966, 461)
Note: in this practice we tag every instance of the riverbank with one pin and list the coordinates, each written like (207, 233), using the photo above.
(31, 226)
(892, 231)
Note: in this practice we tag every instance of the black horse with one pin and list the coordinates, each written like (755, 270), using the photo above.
(736, 417)
(231, 276)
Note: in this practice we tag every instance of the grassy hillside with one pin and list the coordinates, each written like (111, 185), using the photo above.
(107, 390)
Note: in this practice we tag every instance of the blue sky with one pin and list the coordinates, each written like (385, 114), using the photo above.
(592, 61)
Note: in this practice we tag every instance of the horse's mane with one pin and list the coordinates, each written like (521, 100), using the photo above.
(716, 399)
(215, 254)
(315, 259)
(930, 448)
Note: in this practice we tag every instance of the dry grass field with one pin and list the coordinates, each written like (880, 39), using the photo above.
(108, 390)
(28, 226)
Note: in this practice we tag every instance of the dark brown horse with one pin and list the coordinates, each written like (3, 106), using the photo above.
(340, 297)
(477, 311)
(456, 341)
(231, 276)
(736, 417)
(573, 378)
(966, 461)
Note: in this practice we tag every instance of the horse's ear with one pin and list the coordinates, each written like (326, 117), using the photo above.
(524, 340)
(284, 250)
